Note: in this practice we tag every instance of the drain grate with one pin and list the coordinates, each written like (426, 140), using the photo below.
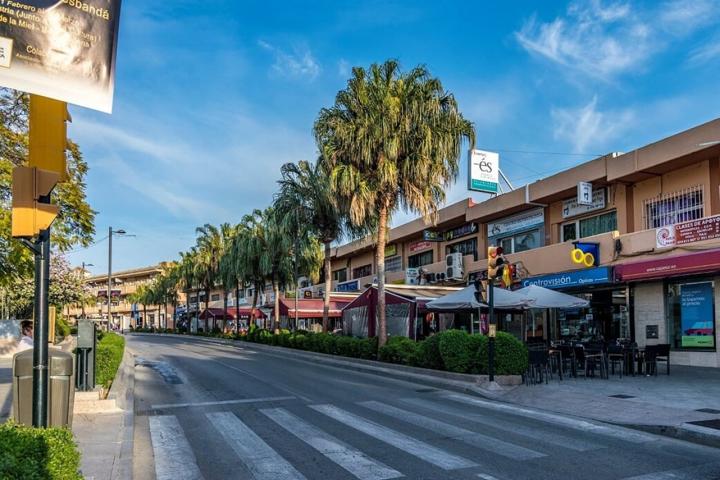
(621, 395)
(708, 423)
(708, 410)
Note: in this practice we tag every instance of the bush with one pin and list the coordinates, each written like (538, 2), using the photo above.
(398, 350)
(345, 346)
(428, 354)
(455, 349)
(511, 355)
(368, 348)
(478, 354)
(110, 348)
(62, 329)
(38, 453)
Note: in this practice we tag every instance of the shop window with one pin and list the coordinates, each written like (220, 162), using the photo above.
(467, 247)
(340, 275)
(393, 264)
(215, 297)
(587, 227)
(676, 207)
(520, 242)
(691, 315)
(364, 271)
(424, 258)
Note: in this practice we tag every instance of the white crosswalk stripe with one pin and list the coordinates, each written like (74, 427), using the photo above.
(174, 458)
(537, 434)
(479, 440)
(344, 455)
(263, 462)
(417, 448)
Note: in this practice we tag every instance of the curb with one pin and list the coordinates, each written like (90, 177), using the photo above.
(122, 392)
(687, 432)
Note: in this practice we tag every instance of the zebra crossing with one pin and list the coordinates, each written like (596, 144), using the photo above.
(449, 436)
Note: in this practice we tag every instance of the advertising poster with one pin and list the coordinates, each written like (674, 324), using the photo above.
(60, 49)
(696, 315)
(484, 171)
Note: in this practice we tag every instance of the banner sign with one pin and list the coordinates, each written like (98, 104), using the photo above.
(467, 229)
(696, 315)
(688, 232)
(391, 250)
(590, 276)
(517, 223)
(573, 208)
(431, 236)
(61, 49)
(351, 286)
(420, 246)
(484, 170)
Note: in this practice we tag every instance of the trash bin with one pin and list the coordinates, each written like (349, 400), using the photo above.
(86, 351)
(61, 388)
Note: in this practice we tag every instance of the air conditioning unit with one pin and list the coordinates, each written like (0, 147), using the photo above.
(440, 277)
(412, 276)
(454, 264)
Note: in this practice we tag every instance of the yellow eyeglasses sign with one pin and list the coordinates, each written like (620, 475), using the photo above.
(583, 258)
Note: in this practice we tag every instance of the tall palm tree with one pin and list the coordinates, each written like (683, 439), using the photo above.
(247, 251)
(210, 246)
(307, 203)
(391, 140)
(187, 280)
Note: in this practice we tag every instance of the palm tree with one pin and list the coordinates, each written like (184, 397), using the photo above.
(186, 276)
(210, 247)
(306, 202)
(247, 250)
(391, 140)
(231, 267)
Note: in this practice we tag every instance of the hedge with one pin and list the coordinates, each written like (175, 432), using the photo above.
(399, 350)
(28, 453)
(110, 348)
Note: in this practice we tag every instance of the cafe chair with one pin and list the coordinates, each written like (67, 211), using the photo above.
(663, 355)
(616, 355)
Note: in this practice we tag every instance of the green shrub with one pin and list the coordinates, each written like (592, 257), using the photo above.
(299, 341)
(38, 453)
(455, 349)
(478, 354)
(110, 350)
(398, 350)
(368, 348)
(327, 343)
(511, 355)
(62, 329)
(428, 354)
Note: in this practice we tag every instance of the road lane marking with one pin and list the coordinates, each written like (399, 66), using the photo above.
(417, 448)
(577, 424)
(564, 441)
(219, 402)
(352, 460)
(475, 439)
(174, 458)
(485, 476)
(695, 472)
(263, 462)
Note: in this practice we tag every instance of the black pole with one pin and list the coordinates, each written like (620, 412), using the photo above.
(491, 331)
(40, 337)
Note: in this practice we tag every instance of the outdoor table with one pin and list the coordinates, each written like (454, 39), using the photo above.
(557, 354)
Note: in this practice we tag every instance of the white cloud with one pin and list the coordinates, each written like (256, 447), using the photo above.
(344, 68)
(586, 127)
(299, 63)
(708, 52)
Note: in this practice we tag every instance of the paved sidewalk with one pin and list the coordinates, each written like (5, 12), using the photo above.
(101, 438)
(5, 388)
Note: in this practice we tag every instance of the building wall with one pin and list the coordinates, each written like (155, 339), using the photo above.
(649, 310)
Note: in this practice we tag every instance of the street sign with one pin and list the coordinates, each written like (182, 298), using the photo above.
(63, 49)
(484, 171)
(584, 193)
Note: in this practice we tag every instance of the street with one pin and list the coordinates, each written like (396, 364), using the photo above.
(208, 410)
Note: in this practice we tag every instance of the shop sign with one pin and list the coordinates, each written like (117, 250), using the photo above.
(572, 207)
(420, 246)
(351, 286)
(103, 293)
(61, 49)
(696, 314)
(688, 232)
(431, 236)
(391, 250)
(665, 236)
(517, 223)
(584, 193)
(590, 276)
(467, 229)
(484, 170)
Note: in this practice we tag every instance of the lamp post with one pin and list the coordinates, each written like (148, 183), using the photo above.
(109, 285)
(82, 304)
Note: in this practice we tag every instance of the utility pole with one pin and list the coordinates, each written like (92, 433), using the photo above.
(109, 279)
(82, 303)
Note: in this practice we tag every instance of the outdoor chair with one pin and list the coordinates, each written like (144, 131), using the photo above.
(538, 367)
(650, 358)
(663, 355)
(616, 354)
(595, 356)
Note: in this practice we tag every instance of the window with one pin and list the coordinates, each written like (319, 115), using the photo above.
(587, 227)
(340, 275)
(691, 315)
(215, 297)
(520, 242)
(420, 259)
(393, 264)
(364, 271)
(467, 247)
(676, 207)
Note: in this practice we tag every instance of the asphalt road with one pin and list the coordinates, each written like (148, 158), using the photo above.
(214, 411)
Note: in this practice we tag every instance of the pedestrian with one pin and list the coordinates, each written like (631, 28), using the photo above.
(26, 342)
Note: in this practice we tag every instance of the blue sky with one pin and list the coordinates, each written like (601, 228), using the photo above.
(212, 97)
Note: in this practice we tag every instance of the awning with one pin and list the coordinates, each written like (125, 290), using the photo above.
(540, 297)
(217, 313)
(692, 263)
(465, 300)
(310, 307)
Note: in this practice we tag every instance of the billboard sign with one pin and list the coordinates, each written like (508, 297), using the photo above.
(62, 49)
(697, 316)
(484, 171)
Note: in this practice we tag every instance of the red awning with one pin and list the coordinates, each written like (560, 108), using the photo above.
(217, 313)
(310, 307)
(692, 263)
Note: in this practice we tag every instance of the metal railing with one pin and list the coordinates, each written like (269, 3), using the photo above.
(676, 207)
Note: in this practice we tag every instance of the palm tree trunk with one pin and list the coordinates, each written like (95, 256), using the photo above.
(237, 307)
(225, 302)
(328, 287)
(207, 306)
(254, 306)
(380, 261)
(276, 290)
(145, 322)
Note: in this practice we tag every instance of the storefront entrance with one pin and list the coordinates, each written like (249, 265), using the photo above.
(606, 318)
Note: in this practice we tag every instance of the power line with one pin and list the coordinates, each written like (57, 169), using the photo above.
(86, 247)
(532, 152)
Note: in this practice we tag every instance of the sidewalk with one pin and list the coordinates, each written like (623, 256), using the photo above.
(5, 388)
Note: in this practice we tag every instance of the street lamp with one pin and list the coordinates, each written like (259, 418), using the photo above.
(83, 272)
(109, 285)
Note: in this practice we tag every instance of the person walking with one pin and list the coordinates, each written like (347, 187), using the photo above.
(26, 342)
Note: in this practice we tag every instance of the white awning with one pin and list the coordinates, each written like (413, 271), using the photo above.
(540, 297)
(465, 300)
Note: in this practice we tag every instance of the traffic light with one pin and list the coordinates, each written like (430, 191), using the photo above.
(48, 135)
(496, 263)
(508, 275)
(31, 208)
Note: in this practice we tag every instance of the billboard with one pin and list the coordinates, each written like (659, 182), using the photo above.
(60, 49)
(484, 171)
(696, 315)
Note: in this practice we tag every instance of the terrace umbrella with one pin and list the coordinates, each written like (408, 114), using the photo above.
(540, 297)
